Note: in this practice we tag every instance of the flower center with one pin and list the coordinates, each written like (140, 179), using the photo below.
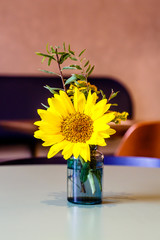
(77, 127)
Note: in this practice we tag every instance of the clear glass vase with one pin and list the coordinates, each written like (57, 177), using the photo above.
(84, 179)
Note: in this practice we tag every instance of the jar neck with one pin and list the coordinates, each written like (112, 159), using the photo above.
(93, 147)
(96, 157)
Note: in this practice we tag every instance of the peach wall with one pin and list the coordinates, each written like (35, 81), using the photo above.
(122, 38)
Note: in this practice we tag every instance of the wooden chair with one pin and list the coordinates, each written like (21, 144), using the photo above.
(141, 139)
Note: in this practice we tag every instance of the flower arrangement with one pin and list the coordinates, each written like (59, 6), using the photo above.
(78, 115)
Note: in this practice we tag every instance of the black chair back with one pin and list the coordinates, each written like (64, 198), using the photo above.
(21, 96)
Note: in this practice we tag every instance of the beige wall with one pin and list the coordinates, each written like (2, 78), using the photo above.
(122, 38)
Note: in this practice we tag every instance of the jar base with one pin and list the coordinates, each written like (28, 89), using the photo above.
(85, 200)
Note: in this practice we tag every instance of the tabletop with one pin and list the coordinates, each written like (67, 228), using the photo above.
(33, 205)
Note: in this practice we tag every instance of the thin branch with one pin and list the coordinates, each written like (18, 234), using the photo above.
(112, 92)
(60, 70)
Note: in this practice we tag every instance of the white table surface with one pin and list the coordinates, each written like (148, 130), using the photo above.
(33, 205)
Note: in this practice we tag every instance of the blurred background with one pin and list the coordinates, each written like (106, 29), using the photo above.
(122, 39)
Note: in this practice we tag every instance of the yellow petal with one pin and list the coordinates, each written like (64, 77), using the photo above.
(79, 101)
(110, 131)
(48, 116)
(50, 129)
(38, 123)
(68, 150)
(67, 155)
(91, 100)
(85, 152)
(96, 139)
(100, 122)
(99, 109)
(38, 134)
(67, 102)
(100, 126)
(101, 142)
(106, 133)
(107, 107)
(53, 139)
(56, 148)
(61, 104)
(76, 149)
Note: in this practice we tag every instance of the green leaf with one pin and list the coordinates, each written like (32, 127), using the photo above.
(88, 68)
(61, 53)
(64, 46)
(98, 175)
(49, 61)
(73, 58)
(52, 49)
(103, 95)
(81, 77)
(53, 90)
(45, 55)
(43, 59)
(84, 172)
(91, 181)
(113, 94)
(45, 71)
(82, 59)
(44, 105)
(82, 52)
(47, 48)
(85, 65)
(70, 51)
(91, 71)
(76, 66)
(69, 67)
(73, 78)
(64, 57)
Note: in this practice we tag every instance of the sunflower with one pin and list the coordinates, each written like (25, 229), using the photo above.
(73, 127)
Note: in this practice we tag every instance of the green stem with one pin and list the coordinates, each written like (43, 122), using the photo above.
(82, 184)
(90, 179)
(60, 70)
(92, 183)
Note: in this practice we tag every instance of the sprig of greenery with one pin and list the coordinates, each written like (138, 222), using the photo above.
(79, 79)
(82, 65)
(120, 117)
(112, 95)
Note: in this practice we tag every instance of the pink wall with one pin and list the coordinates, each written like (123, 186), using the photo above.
(122, 39)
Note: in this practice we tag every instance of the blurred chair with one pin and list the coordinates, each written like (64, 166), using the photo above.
(20, 97)
(11, 152)
(141, 139)
(14, 145)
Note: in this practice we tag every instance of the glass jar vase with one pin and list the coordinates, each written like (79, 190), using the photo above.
(84, 179)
